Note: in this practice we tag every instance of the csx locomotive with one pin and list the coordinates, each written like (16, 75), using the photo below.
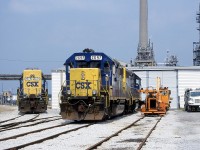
(97, 87)
(32, 96)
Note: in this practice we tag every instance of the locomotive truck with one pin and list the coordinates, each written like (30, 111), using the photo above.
(97, 87)
(32, 95)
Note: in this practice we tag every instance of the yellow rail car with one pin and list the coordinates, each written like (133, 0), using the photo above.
(32, 96)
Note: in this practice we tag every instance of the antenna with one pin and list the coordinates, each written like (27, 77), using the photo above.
(2, 86)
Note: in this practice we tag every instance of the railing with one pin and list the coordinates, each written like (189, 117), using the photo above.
(18, 76)
(59, 94)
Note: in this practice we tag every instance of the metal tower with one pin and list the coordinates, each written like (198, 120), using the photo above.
(145, 54)
(171, 60)
(196, 45)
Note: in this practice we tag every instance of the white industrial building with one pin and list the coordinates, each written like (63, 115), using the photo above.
(176, 78)
(58, 78)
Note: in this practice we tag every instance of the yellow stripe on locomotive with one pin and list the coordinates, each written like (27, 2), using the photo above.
(32, 82)
(85, 81)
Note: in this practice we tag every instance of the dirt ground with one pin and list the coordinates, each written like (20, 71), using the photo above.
(5, 108)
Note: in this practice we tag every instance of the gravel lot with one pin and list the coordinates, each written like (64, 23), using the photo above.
(6, 108)
(177, 130)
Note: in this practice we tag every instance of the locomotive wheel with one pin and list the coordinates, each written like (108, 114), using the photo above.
(107, 115)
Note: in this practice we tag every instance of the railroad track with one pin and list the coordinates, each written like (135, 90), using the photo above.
(8, 125)
(35, 131)
(46, 138)
(147, 136)
(11, 119)
(138, 132)
(43, 120)
(95, 146)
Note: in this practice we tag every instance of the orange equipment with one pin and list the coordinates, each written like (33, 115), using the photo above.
(157, 101)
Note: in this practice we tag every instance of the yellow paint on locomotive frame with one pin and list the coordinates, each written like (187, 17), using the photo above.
(85, 80)
(124, 79)
(32, 81)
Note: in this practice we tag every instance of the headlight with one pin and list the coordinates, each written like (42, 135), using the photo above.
(94, 92)
(25, 96)
(69, 92)
(191, 101)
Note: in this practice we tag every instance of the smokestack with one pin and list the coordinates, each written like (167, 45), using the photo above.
(145, 54)
(143, 35)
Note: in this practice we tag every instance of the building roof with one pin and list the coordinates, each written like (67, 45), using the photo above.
(164, 68)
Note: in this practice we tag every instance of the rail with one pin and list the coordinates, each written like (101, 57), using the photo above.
(115, 134)
(48, 138)
(137, 147)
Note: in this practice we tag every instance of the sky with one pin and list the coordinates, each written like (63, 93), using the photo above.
(44, 33)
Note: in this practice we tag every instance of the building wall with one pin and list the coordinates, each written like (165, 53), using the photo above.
(187, 79)
(58, 78)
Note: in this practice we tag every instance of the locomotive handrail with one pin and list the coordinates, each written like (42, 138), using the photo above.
(61, 90)
(20, 91)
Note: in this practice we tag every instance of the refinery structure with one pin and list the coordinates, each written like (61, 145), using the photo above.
(196, 45)
(145, 53)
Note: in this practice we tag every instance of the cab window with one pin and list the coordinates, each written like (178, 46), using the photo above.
(95, 64)
(82, 64)
(106, 67)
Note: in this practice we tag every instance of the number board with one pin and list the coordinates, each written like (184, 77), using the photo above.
(79, 57)
(96, 57)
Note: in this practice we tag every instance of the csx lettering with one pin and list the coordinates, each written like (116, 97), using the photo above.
(83, 85)
(32, 84)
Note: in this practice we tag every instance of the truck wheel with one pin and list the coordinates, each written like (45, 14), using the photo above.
(185, 107)
(188, 108)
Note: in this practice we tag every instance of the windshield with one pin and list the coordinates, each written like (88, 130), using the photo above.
(195, 93)
(84, 64)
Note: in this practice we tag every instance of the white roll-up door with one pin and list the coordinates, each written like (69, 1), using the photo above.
(187, 79)
(58, 78)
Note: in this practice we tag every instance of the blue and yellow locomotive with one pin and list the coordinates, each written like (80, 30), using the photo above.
(97, 87)
(32, 96)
